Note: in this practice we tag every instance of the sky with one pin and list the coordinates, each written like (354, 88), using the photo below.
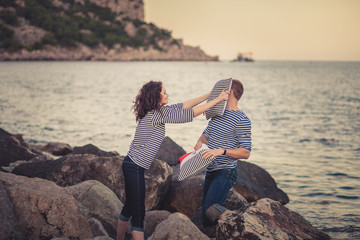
(315, 30)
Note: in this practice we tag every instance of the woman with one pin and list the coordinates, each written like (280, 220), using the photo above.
(151, 114)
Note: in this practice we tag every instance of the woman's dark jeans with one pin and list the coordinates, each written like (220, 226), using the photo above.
(216, 187)
(134, 207)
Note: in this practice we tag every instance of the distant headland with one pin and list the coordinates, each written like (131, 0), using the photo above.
(87, 30)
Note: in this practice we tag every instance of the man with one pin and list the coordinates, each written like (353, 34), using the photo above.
(228, 138)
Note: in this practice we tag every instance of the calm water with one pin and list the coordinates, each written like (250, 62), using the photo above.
(305, 118)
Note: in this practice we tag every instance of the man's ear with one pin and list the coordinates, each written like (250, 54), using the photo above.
(231, 92)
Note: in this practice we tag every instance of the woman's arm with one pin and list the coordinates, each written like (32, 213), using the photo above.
(193, 102)
(174, 114)
(224, 95)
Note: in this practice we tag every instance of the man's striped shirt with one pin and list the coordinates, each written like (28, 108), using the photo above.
(231, 130)
(150, 132)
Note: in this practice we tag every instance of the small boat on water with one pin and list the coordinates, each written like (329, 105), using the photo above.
(244, 57)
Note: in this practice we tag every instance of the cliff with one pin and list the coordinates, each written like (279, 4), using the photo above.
(111, 30)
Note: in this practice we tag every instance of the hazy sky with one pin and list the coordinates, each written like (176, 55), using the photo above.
(271, 29)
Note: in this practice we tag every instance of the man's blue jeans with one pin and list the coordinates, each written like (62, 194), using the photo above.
(134, 206)
(216, 187)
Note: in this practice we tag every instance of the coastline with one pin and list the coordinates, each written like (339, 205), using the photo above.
(170, 52)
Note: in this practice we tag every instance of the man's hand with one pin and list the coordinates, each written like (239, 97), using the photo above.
(212, 153)
(202, 140)
(198, 145)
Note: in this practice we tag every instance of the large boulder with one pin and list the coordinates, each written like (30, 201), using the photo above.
(55, 148)
(255, 183)
(39, 158)
(177, 226)
(92, 149)
(101, 202)
(185, 196)
(152, 219)
(233, 201)
(14, 148)
(73, 169)
(9, 226)
(158, 182)
(44, 209)
(170, 152)
(97, 228)
(266, 219)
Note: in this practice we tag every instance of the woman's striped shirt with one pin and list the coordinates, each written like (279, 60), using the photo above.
(231, 130)
(150, 132)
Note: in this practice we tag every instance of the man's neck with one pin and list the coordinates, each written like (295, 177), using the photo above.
(232, 104)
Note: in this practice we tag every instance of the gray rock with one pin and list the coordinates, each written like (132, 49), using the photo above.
(185, 196)
(233, 201)
(170, 152)
(57, 148)
(91, 149)
(158, 182)
(9, 226)
(14, 148)
(152, 219)
(36, 169)
(255, 183)
(44, 209)
(266, 219)
(38, 158)
(177, 226)
(101, 238)
(73, 169)
(97, 228)
(101, 202)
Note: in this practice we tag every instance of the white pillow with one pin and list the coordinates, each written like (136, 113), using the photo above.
(193, 162)
(219, 108)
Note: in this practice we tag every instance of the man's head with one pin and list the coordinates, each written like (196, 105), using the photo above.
(237, 89)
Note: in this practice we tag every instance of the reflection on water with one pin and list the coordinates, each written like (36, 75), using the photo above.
(305, 119)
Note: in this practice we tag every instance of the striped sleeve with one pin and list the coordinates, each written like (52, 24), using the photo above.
(243, 132)
(206, 132)
(174, 114)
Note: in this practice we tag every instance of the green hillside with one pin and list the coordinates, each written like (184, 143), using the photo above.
(88, 24)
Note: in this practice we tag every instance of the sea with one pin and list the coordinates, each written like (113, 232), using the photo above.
(305, 119)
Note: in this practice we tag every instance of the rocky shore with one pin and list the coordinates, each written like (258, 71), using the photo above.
(170, 52)
(56, 191)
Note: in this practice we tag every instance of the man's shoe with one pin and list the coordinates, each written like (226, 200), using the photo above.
(214, 211)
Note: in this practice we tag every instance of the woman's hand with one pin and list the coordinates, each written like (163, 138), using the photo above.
(224, 95)
(212, 153)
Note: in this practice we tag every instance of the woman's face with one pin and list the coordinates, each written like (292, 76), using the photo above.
(164, 97)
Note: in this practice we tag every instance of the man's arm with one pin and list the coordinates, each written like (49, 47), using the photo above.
(237, 153)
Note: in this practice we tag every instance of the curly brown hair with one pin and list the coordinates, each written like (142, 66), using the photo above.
(148, 99)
